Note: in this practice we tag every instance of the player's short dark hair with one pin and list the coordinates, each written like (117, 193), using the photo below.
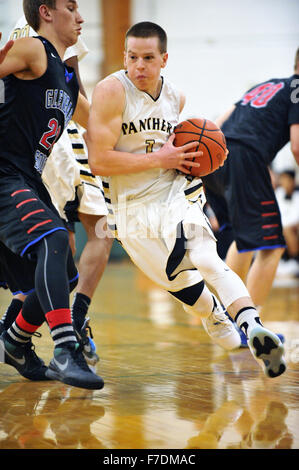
(146, 29)
(297, 59)
(31, 11)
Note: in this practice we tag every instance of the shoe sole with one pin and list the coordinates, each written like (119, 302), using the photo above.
(268, 350)
(54, 374)
(245, 345)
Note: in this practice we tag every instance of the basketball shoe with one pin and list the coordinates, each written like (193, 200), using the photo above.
(69, 366)
(268, 350)
(89, 347)
(244, 341)
(220, 329)
(23, 358)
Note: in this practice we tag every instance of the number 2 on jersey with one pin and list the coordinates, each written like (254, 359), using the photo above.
(54, 132)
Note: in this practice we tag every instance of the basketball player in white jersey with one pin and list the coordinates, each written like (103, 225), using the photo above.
(78, 196)
(157, 211)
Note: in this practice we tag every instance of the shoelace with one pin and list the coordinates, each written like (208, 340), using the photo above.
(219, 316)
(86, 327)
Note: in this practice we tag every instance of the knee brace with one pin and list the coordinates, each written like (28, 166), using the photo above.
(197, 300)
(227, 284)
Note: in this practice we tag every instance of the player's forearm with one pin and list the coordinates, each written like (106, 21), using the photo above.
(112, 162)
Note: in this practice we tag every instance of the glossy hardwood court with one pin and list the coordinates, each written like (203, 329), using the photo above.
(167, 386)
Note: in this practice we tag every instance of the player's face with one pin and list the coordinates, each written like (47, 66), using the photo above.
(67, 21)
(143, 61)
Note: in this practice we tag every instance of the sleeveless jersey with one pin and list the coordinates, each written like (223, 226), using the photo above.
(35, 113)
(263, 116)
(146, 126)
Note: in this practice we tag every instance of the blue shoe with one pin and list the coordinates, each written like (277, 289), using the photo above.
(268, 350)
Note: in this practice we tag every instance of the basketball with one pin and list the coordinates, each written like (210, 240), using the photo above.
(211, 142)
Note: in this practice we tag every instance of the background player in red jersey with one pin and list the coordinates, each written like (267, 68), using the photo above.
(41, 96)
(241, 192)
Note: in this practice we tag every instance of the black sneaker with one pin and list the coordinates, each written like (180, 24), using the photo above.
(69, 366)
(23, 358)
(86, 341)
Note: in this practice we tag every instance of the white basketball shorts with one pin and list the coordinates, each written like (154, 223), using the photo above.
(67, 174)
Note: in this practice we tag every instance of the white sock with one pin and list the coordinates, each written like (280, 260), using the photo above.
(247, 319)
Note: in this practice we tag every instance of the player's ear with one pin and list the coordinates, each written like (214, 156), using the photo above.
(164, 59)
(125, 59)
(45, 13)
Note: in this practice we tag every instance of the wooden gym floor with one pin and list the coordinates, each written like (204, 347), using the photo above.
(167, 386)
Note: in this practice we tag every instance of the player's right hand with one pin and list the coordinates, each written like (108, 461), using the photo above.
(5, 49)
(177, 157)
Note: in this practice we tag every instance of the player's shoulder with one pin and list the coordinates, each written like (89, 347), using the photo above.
(110, 85)
(110, 92)
(28, 45)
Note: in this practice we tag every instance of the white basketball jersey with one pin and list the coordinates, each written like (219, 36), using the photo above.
(146, 125)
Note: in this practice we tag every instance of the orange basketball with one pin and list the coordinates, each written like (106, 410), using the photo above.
(211, 142)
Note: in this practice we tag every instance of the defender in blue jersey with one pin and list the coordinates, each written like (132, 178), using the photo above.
(241, 193)
(41, 95)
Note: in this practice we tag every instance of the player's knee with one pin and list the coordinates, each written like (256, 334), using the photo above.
(197, 300)
(56, 243)
(190, 294)
(203, 306)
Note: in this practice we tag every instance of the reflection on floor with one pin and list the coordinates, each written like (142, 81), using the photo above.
(167, 386)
